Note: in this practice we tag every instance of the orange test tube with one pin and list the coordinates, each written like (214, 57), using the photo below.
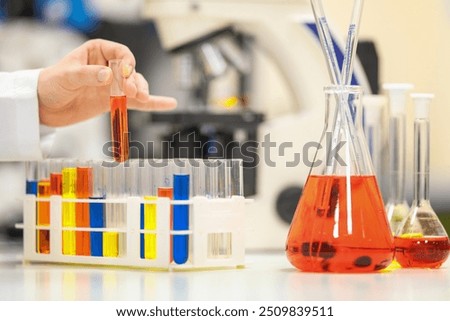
(83, 190)
(119, 116)
(43, 218)
(55, 184)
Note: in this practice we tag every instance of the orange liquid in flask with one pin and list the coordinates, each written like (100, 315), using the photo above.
(422, 252)
(119, 128)
(329, 235)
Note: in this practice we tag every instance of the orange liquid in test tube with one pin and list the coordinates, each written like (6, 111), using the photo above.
(55, 183)
(43, 218)
(83, 191)
(119, 116)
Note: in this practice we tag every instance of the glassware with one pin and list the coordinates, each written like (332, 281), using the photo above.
(375, 125)
(397, 208)
(421, 240)
(119, 115)
(340, 224)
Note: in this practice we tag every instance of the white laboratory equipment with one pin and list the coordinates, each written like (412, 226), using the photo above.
(289, 75)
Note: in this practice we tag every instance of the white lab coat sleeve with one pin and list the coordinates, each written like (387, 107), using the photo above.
(20, 132)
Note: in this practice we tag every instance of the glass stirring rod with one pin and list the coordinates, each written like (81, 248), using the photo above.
(119, 116)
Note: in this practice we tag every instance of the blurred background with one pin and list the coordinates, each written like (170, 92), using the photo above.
(242, 71)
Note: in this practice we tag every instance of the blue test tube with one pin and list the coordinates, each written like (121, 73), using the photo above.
(180, 243)
(31, 187)
(97, 210)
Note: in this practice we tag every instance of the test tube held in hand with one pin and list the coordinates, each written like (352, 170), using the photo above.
(119, 116)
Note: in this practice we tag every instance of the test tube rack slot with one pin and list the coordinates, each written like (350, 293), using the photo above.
(217, 216)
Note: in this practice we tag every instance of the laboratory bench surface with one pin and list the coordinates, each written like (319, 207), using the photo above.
(267, 275)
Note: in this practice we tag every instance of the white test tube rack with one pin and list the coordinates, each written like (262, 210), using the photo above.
(206, 216)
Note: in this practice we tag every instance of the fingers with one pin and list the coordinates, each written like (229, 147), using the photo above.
(153, 103)
(137, 87)
(142, 88)
(100, 51)
(88, 75)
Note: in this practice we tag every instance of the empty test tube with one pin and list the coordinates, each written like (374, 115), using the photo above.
(236, 175)
(69, 177)
(211, 178)
(83, 191)
(198, 177)
(221, 181)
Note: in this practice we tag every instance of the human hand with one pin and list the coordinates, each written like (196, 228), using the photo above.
(77, 88)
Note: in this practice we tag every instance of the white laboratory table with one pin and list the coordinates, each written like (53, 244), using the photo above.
(266, 276)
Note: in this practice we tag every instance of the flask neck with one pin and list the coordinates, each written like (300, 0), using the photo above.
(421, 161)
(343, 150)
(350, 101)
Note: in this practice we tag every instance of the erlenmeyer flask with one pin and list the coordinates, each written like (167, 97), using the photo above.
(340, 224)
(421, 240)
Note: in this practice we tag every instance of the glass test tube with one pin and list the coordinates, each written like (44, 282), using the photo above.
(198, 177)
(115, 212)
(149, 246)
(69, 177)
(47, 187)
(373, 130)
(119, 115)
(397, 208)
(180, 243)
(43, 218)
(211, 179)
(56, 177)
(31, 178)
(97, 210)
(148, 211)
(167, 192)
(83, 191)
(236, 177)
(218, 185)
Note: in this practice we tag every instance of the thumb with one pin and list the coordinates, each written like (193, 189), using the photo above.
(89, 75)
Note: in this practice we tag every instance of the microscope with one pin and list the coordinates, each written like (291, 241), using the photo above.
(275, 49)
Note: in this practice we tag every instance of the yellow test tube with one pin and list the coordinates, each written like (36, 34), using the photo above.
(110, 244)
(115, 212)
(69, 178)
(150, 248)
